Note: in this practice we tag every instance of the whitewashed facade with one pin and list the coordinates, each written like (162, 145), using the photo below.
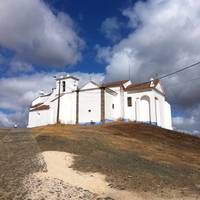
(93, 103)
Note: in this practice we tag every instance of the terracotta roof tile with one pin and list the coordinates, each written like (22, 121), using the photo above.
(41, 107)
(114, 84)
(142, 86)
(36, 105)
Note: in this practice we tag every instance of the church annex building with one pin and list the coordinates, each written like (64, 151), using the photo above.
(93, 103)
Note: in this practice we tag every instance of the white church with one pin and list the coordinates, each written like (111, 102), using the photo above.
(100, 103)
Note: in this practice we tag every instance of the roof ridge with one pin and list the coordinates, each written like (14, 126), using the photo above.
(118, 81)
(144, 85)
(94, 83)
(114, 83)
(146, 82)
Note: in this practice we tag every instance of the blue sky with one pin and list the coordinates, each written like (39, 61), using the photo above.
(98, 40)
(88, 17)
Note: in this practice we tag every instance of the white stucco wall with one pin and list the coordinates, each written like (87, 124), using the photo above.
(145, 109)
(118, 114)
(167, 116)
(136, 111)
(159, 112)
(89, 85)
(39, 118)
(158, 108)
(36, 118)
(40, 99)
(53, 107)
(109, 111)
(70, 85)
(90, 100)
(160, 88)
(68, 108)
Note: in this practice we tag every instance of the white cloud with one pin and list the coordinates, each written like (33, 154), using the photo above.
(164, 37)
(86, 77)
(20, 67)
(11, 119)
(17, 93)
(157, 44)
(181, 120)
(187, 124)
(5, 121)
(37, 35)
(111, 28)
(121, 65)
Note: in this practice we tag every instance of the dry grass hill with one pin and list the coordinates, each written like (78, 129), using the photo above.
(134, 157)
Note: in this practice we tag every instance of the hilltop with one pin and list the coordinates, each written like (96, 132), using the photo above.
(134, 157)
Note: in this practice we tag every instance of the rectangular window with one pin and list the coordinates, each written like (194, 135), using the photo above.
(129, 101)
(64, 86)
(113, 106)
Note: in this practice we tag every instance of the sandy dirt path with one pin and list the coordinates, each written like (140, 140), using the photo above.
(59, 167)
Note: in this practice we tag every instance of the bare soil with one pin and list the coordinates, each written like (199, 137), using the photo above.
(136, 157)
(19, 157)
(20, 160)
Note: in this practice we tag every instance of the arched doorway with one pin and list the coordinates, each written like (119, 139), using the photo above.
(145, 109)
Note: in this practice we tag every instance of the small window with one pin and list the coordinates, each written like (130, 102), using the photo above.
(113, 106)
(64, 86)
(89, 110)
(129, 101)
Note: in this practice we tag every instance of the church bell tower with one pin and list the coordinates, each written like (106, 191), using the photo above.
(67, 84)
